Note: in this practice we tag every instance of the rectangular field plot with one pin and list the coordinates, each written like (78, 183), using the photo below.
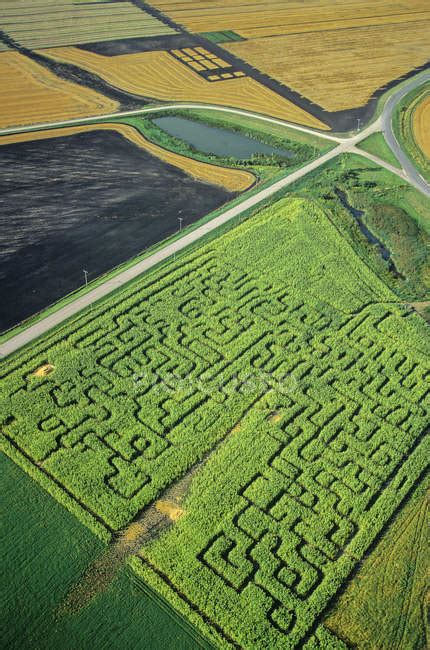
(222, 37)
(50, 24)
(274, 341)
(207, 64)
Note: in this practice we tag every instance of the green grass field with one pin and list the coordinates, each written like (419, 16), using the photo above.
(44, 552)
(222, 37)
(276, 348)
(384, 607)
(376, 145)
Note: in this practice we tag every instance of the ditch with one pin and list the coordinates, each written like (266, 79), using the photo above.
(371, 238)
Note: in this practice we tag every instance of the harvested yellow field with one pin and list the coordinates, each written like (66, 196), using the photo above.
(160, 76)
(29, 94)
(332, 52)
(341, 69)
(421, 125)
(260, 18)
(234, 180)
(52, 24)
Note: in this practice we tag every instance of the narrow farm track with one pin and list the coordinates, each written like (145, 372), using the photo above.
(169, 107)
(344, 145)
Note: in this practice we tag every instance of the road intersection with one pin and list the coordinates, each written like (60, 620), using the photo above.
(343, 145)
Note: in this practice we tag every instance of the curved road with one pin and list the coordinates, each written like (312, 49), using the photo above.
(344, 145)
(167, 107)
(412, 173)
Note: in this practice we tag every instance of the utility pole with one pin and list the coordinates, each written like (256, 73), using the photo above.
(86, 278)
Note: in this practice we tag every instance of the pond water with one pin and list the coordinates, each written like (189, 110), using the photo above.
(371, 238)
(213, 139)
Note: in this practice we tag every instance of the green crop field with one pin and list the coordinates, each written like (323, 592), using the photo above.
(222, 37)
(47, 547)
(374, 611)
(275, 367)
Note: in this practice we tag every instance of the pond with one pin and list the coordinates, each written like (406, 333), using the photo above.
(215, 140)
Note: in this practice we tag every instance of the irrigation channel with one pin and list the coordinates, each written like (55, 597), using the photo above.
(371, 238)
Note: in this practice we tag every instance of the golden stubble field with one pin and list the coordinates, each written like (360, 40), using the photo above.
(421, 125)
(158, 75)
(29, 94)
(49, 23)
(332, 52)
(234, 180)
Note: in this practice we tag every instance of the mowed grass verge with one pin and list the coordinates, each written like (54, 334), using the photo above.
(411, 128)
(376, 145)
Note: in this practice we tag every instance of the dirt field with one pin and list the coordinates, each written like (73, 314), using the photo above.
(87, 201)
(234, 180)
(318, 47)
(29, 93)
(421, 125)
(161, 76)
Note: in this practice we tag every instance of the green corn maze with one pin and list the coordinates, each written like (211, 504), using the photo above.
(278, 350)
